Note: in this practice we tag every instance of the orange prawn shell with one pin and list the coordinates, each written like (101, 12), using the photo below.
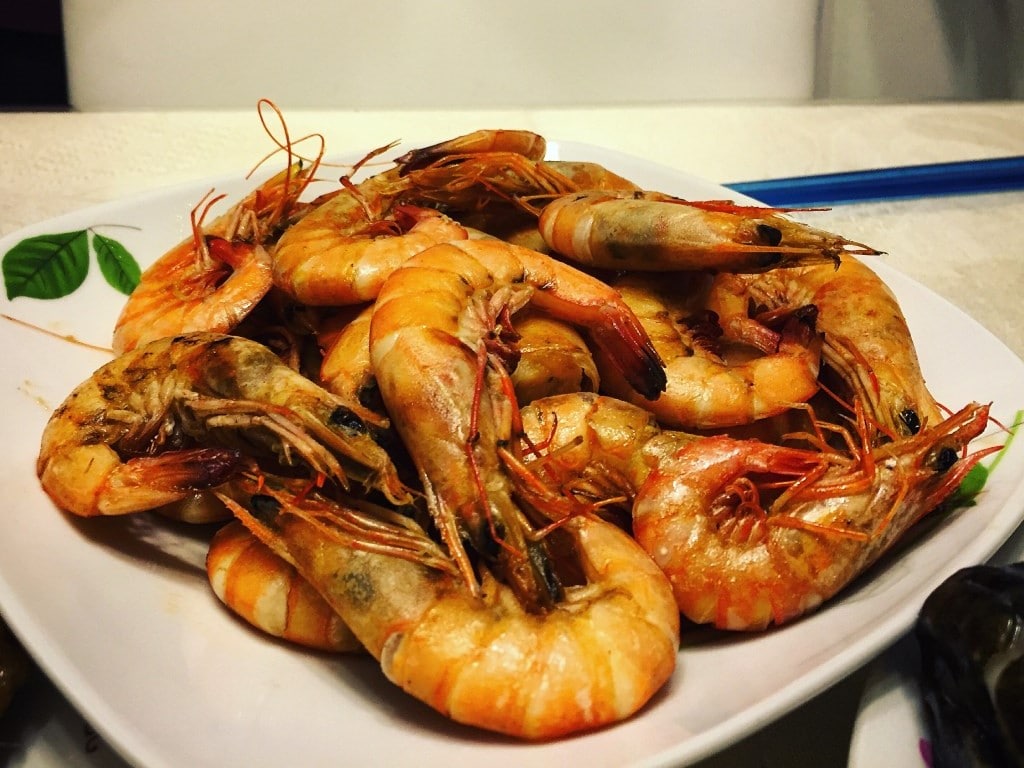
(742, 566)
(486, 662)
(270, 594)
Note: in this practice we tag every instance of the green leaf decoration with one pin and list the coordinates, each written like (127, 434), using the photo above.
(971, 486)
(976, 479)
(47, 266)
(118, 266)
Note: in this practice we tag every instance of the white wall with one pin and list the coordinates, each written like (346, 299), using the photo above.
(371, 54)
(921, 49)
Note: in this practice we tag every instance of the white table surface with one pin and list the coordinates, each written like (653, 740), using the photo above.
(968, 249)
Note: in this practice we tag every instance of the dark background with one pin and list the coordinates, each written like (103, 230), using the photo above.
(32, 70)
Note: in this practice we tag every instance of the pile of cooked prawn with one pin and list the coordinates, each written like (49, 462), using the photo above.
(501, 421)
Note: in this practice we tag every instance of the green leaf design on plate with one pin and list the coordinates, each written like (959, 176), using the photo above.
(53, 266)
(971, 486)
(47, 266)
(976, 479)
(118, 266)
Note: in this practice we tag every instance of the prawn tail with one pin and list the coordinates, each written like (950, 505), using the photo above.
(632, 353)
(157, 480)
(194, 469)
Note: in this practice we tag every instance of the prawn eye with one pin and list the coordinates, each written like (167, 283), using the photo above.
(769, 235)
(369, 396)
(945, 458)
(910, 420)
(344, 418)
(264, 507)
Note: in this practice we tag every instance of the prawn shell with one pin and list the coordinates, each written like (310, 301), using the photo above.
(580, 672)
(740, 566)
(647, 231)
(269, 593)
(554, 359)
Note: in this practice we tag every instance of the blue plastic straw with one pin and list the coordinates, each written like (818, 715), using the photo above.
(908, 181)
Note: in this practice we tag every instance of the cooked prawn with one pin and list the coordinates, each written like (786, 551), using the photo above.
(438, 328)
(530, 145)
(183, 414)
(596, 449)
(205, 283)
(576, 433)
(740, 561)
(489, 182)
(709, 385)
(216, 276)
(495, 192)
(593, 658)
(342, 252)
(750, 533)
(269, 593)
(867, 342)
(553, 358)
(651, 231)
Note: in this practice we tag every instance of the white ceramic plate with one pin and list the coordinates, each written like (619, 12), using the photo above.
(890, 728)
(118, 612)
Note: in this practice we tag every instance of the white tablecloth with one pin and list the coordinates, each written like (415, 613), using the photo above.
(967, 249)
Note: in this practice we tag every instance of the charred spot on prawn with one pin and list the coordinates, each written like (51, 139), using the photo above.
(186, 340)
(359, 588)
(109, 392)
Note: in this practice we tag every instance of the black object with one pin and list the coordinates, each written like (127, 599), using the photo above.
(971, 636)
